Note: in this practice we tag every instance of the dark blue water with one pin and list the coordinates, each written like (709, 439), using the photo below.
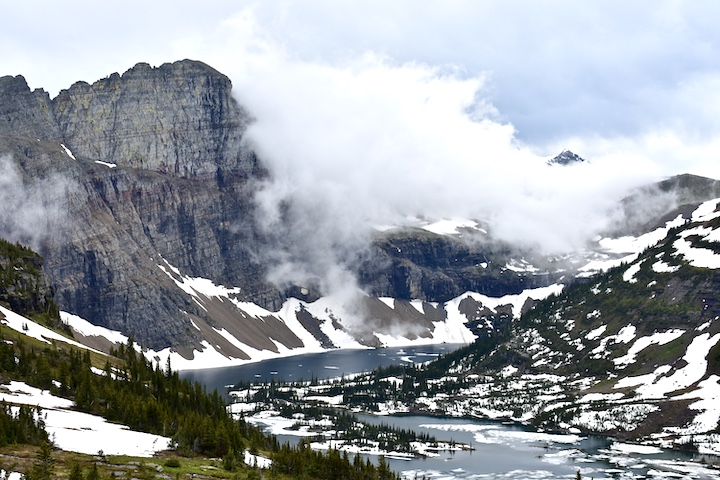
(502, 451)
(333, 363)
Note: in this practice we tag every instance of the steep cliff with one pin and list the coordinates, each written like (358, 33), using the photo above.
(139, 192)
(178, 119)
(151, 167)
(418, 264)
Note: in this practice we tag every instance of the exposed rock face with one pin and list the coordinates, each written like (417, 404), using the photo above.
(417, 264)
(24, 287)
(177, 119)
(24, 113)
(181, 191)
(566, 157)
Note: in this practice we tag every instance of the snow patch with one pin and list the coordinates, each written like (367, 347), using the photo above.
(662, 267)
(654, 386)
(596, 333)
(629, 275)
(68, 152)
(630, 448)
(449, 226)
(660, 338)
(80, 432)
(696, 256)
(87, 329)
(37, 331)
(709, 404)
(107, 164)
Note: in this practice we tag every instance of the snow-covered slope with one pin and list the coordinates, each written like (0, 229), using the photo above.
(81, 432)
(634, 352)
(249, 333)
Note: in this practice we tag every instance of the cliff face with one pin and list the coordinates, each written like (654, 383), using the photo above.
(24, 113)
(417, 264)
(24, 287)
(177, 119)
(153, 169)
(140, 184)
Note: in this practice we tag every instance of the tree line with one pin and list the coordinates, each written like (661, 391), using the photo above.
(134, 391)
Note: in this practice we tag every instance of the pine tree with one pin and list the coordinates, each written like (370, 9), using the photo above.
(93, 474)
(44, 468)
(76, 472)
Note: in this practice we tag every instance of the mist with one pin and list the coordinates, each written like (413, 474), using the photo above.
(368, 113)
(31, 210)
(370, 142)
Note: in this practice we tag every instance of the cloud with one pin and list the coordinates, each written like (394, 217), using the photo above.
(371, 141)
(557, 68)
(31, 211)
(368, 112)
(554, 69)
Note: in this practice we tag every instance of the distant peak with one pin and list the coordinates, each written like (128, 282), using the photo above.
(566, 157)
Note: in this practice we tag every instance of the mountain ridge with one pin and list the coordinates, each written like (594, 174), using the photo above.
(151, 166)
(633, 352)
(153, 192)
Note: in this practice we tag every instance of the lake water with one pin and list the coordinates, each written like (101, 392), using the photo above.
(330, 364)
(502, 451)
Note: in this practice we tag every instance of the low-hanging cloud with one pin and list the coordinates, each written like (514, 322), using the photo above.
(368, 141)
(31, 210)
(359, 139)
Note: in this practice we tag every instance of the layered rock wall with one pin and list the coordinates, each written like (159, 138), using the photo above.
(146, 171)
(154, 170)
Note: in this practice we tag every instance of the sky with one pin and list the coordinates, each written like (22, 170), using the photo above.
(371, 112)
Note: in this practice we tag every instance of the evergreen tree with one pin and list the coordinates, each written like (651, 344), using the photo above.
(76, 472)
(93, 474)
(44, 467)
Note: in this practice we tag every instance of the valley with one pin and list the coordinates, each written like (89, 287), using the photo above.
(157, 255)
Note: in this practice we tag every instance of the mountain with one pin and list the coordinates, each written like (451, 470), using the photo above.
(140, 182)
(633, 352)
(139, 192)
(566, 157)
(146, 167)
(65, 408)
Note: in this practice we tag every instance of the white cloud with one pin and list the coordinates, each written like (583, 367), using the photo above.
(370, 111)
(31, 209)
(369, 141)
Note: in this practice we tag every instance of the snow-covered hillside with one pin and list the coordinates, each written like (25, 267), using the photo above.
(81, 432)
(252, 333)
(634, 352)
(242, 332)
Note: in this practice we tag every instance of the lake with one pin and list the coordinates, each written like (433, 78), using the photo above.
(502, 451)
(330, 364)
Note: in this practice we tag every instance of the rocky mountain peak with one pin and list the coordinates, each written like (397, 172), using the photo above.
(25, 113)
(566, 157)
(179, 119)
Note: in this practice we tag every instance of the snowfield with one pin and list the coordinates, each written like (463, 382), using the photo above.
(80, 432)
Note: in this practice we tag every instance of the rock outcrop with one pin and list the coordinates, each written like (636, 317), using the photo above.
(24, 287)
(135, 186)
(418, 264)
(566, 157)
(153, 169)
